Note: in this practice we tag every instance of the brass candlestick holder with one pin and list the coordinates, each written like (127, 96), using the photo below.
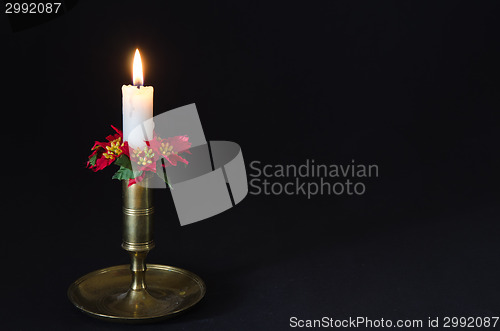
(139, 292)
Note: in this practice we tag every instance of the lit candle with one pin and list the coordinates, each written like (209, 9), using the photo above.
(137, 108)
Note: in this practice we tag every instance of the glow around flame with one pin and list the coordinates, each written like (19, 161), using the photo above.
(137, 70)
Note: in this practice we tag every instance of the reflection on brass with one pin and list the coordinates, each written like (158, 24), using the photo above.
(137, 293)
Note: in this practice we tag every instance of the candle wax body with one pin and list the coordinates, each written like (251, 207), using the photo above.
(137, 110)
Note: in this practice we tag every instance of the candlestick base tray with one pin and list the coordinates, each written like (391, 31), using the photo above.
(106, 294)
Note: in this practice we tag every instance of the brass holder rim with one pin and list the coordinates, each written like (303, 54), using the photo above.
(92, 296)
(139, 292)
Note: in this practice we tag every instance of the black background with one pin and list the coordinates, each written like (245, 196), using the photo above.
(411, 86)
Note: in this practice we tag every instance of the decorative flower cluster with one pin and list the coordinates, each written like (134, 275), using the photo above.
(147, 159)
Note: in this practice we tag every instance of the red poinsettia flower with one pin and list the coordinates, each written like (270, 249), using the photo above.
(169, 148)
(105, 153)
(135, 163)
(144, 158)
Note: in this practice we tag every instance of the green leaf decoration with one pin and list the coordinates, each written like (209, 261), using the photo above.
(123, 161)
(126, 173)
(93, 159)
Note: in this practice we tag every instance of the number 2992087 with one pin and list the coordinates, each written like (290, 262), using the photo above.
(32, 7)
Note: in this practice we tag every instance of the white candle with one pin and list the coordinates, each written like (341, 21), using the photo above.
(137, 108)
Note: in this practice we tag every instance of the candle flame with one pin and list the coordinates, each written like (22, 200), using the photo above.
(137, 69)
